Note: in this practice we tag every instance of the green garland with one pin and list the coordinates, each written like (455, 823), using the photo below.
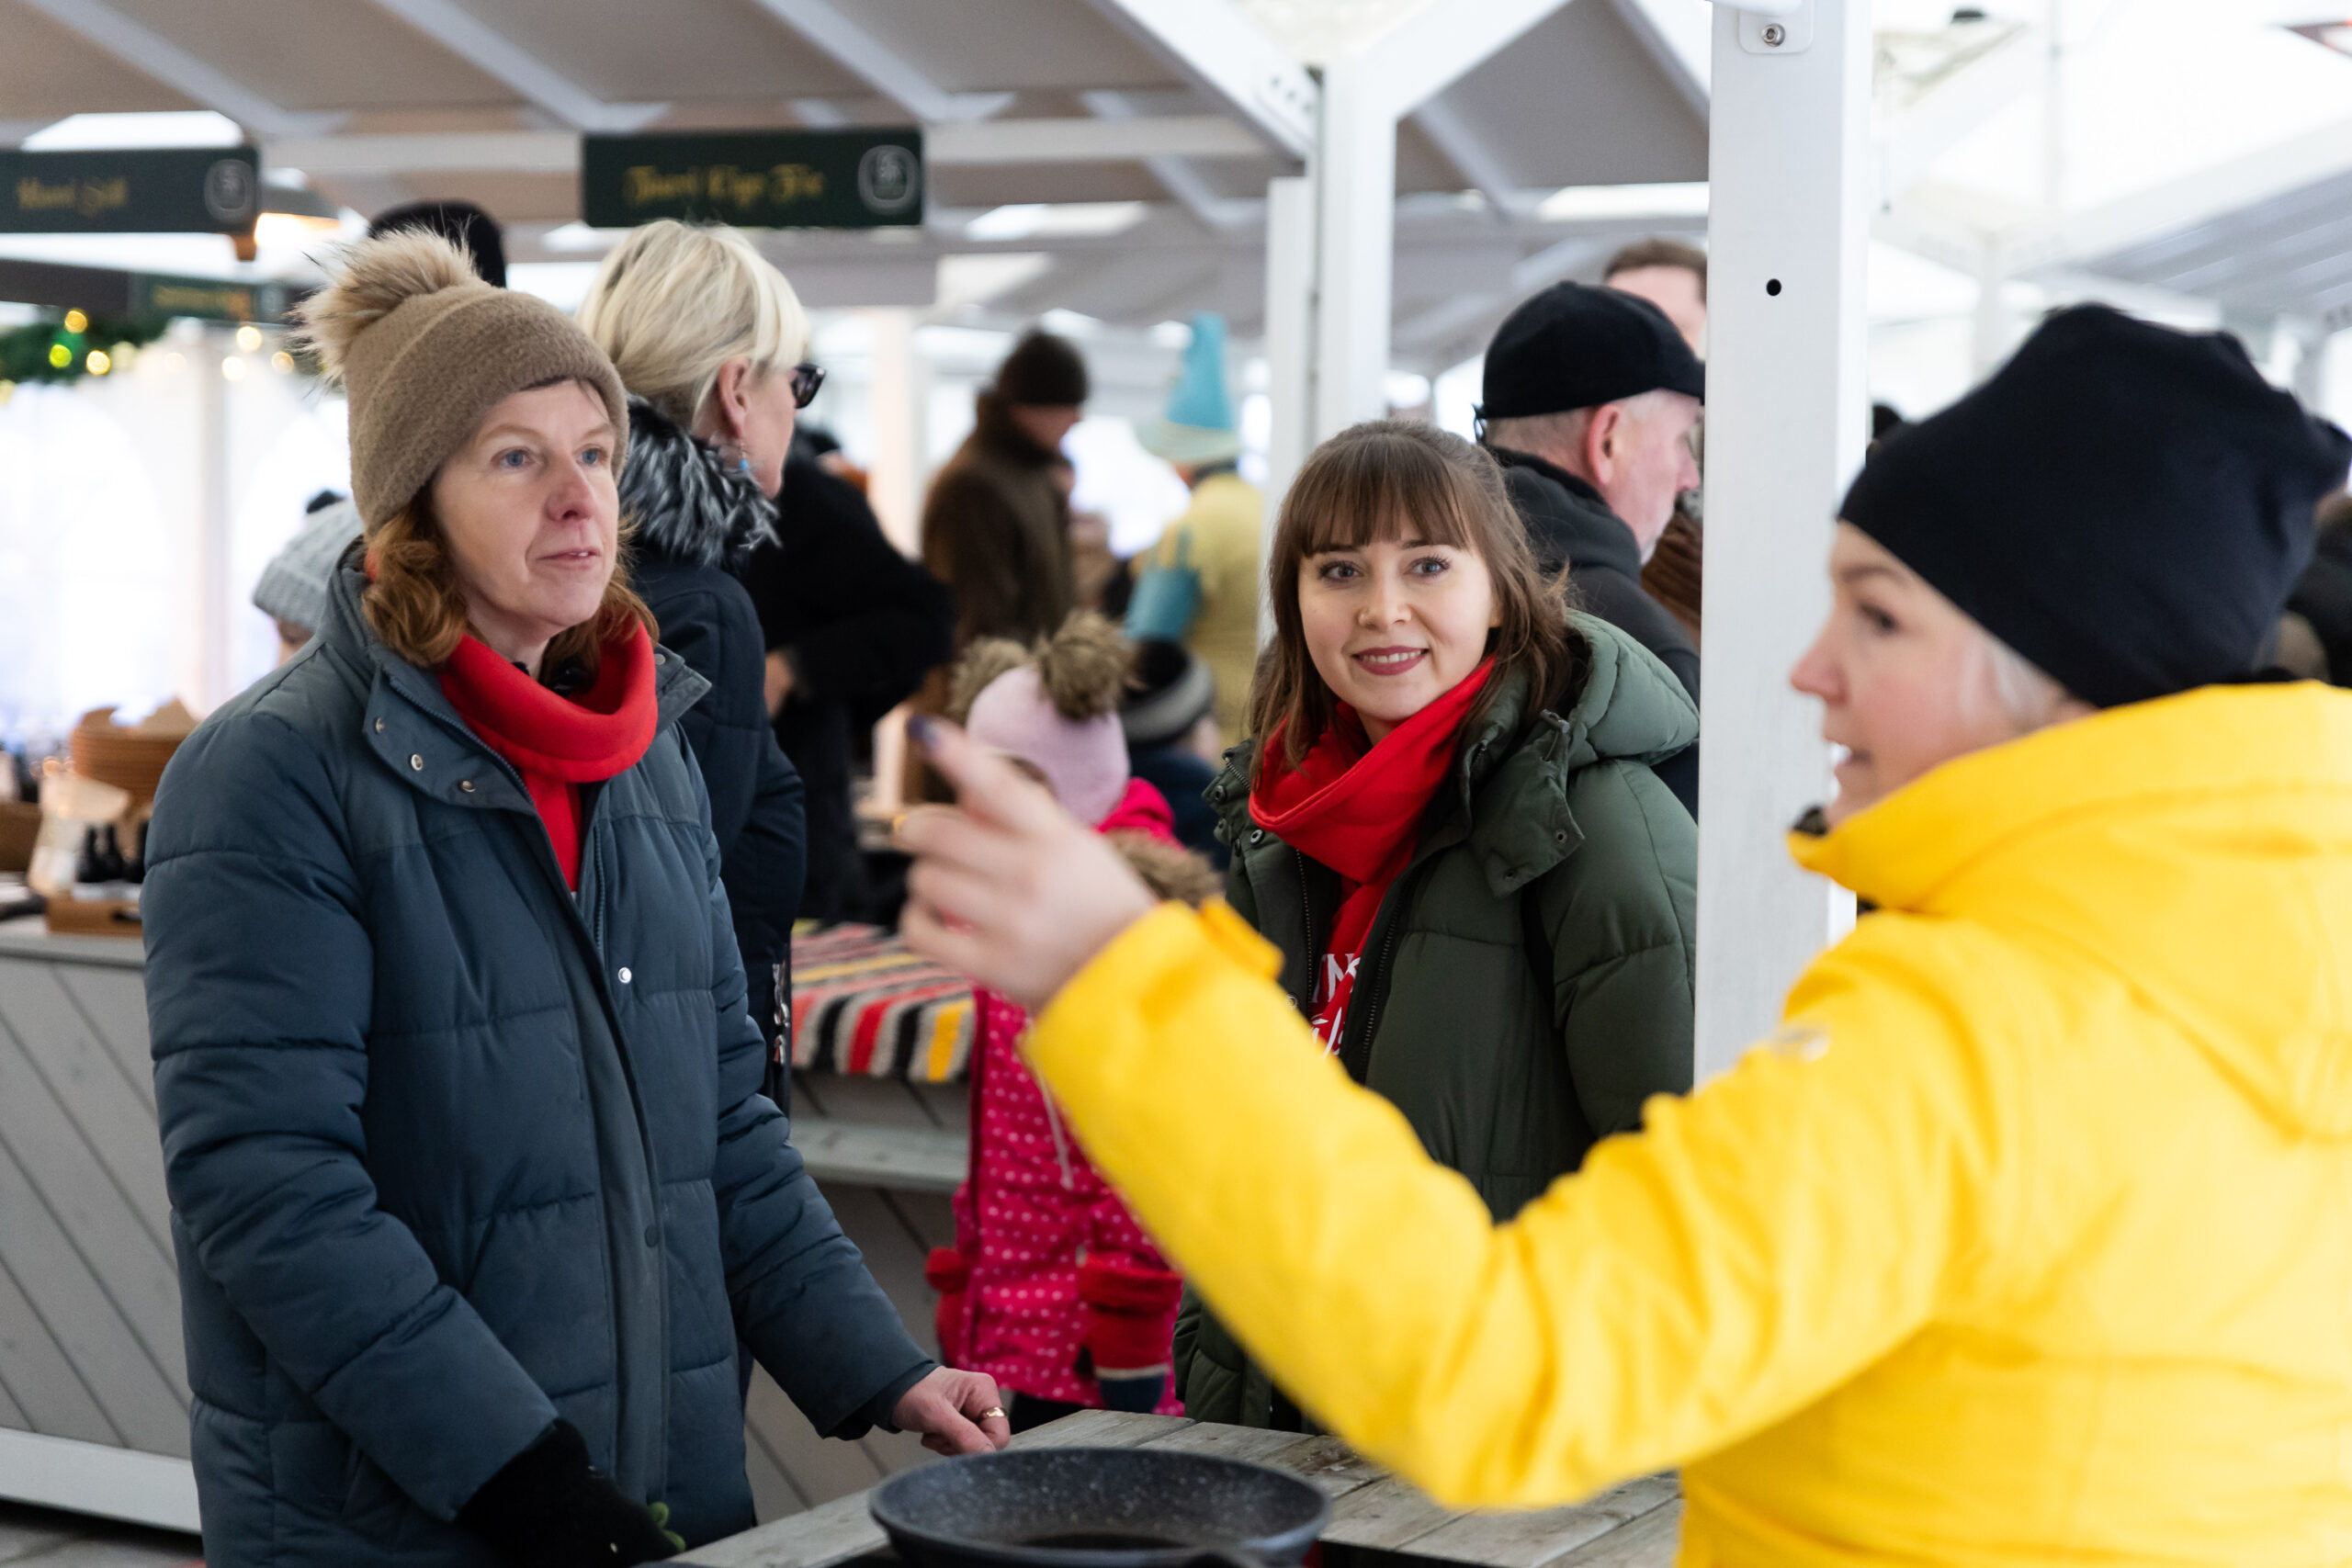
(49, 351)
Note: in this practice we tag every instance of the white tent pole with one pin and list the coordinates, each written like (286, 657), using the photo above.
(1786, 425)
(899, 395)
(1356, 253)
(1290, 345)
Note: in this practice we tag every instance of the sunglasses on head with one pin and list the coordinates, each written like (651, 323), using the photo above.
(807, 379)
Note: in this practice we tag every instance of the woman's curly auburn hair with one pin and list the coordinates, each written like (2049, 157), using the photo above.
(415, 607)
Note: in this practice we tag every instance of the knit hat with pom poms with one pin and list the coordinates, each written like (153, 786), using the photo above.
(426, 348)
(1054, 706)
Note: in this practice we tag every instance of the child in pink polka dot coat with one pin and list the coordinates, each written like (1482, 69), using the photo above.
(1053, 1287)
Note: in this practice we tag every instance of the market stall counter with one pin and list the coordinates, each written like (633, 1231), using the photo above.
(1377, 1521)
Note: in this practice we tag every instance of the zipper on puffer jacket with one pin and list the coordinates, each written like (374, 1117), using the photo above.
(593, 930)
(1305, 999)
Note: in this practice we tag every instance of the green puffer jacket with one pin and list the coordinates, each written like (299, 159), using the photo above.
(1560, 864)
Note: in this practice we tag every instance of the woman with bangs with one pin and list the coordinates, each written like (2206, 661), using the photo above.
(1447, 822)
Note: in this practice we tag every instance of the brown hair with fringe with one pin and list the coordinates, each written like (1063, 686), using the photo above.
(1396, 479)
(415, 607)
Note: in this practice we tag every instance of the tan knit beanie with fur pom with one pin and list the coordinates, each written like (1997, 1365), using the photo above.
(426, 348)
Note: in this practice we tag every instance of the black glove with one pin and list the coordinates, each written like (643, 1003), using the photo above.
(547, 1508)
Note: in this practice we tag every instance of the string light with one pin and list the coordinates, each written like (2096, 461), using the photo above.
(175, 362)
(232, 369)
(75, 322)
(282, 362)
(60, 355)
(99, 362)
(249, 338)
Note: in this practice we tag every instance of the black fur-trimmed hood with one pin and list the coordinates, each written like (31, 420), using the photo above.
(686, 502)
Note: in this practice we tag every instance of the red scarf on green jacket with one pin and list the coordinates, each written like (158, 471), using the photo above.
(1357, 807)
(559, 743)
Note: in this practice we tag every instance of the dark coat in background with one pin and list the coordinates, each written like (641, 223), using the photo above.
(2323, 597)
(695, 519)
(1571, 526)
(453, 1151)
(996, 530)
(1528, 981)
(861, 626)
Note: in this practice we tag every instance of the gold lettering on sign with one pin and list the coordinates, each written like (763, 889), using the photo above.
(33, 196)
(646, 185)
(105, 196)
(179, 297)
(788, 183)
(731, 187)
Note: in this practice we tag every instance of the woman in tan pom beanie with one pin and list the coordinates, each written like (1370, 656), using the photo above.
(474, 1187)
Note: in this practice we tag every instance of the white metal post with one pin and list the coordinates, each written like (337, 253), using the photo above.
(1290, 348)
(1356, 255)
(899, 395)
(1786, 424)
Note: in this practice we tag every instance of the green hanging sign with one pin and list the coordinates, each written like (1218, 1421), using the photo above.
(859, 178)
(204, 190)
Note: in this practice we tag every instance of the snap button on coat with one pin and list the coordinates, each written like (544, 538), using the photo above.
(416, 761)
(625, 975)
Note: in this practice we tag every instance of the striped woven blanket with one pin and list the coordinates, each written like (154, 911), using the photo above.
(863, 1004)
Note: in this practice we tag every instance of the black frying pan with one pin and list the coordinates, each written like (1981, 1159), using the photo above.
(1098, 1508)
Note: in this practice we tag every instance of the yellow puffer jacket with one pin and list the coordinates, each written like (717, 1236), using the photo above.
(2026, 1239)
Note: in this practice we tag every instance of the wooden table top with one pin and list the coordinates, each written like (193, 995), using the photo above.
(1632, 1526)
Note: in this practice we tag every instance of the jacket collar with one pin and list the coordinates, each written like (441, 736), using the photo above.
(1575, 523)
(414, 727)
(685, 501)
(2197, 847)
(1512, 797)
(1922, 846)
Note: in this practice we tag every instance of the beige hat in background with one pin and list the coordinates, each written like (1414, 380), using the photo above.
(426, 348)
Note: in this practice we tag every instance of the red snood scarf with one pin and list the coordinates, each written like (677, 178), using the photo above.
(1357, 808)
(559, 743)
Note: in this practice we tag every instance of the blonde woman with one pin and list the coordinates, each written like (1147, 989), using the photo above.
(2028, 1239)
(708, 339)
(472, 1183)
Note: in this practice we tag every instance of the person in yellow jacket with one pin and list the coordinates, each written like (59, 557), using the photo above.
(1199, 584)
(2027, 1239)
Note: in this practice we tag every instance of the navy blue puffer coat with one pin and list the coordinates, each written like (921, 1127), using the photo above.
(453, 1151)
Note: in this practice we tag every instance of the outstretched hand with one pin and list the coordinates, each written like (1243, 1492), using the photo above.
(1007, 888)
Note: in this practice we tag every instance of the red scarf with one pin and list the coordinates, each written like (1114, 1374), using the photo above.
(1357, 808)
(559, 743)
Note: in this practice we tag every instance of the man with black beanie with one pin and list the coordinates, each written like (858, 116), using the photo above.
(996, 525)
(1590, 399)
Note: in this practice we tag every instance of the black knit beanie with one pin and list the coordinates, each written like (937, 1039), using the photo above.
(1042, 371)
(461, 223)
(2126, 506)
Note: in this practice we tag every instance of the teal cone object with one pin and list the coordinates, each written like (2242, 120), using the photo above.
(1198, 426)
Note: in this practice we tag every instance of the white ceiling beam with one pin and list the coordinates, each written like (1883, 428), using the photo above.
(176, 68)
(1178, 177)
(1470, 156)
(972, 142)
(822, 23)
(433, 152)
(538, 83)
(2182, 202)
(1442, 322)
(1089, 141)
(1907, 144)
(1436, 46)
(1678, 36)
(1222, 51)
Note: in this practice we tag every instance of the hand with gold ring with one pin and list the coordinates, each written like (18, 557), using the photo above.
(957, 1411)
